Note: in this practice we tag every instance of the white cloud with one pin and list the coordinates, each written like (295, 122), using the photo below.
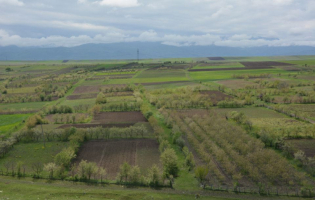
(111, 3)
(12, 2)
(148, 36)
(117, 3)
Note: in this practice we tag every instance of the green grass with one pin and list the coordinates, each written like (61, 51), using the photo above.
(23, 106)
(29, 153)
(161, 74)
(9, 122)
(28, 189)
(223, 75)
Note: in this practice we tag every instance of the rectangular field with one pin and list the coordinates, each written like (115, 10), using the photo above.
(119, 117)
(111, 154)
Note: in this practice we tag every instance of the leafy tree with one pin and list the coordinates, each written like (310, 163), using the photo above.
(102, 172)
(37, 168)
(125, 170)
(51, 168)
(135, 174)
(190, 161)
(169, 160)
(201, 173)
(154, 176)
(64, 157)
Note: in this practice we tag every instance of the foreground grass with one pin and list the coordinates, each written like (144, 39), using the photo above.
(30, 189)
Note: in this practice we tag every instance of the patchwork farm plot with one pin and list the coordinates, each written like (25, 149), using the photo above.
(112, 154)
(224, 123)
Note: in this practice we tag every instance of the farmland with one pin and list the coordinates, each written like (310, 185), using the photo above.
(203, 125)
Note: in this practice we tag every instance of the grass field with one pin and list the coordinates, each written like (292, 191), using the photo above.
(8, 122)
(23, 106)
(29, 153)
(224, 75)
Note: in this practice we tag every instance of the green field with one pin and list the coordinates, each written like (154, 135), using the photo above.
(9, 122)
(29, 153)
(23, 106)
(224, 75)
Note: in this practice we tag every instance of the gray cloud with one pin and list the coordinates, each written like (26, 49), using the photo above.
(178, 22)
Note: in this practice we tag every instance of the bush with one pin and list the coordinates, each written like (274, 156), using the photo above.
(64, 157)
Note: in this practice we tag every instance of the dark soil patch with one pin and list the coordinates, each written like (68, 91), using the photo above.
(96, 125)
(119, 117)
(113, 153)
(87, 89)
(216, 96)
(82, 96)
(263, 65)
(216, 58)
(306, 145)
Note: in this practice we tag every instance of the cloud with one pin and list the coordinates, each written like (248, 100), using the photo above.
(177, 22)
(113, 3)
(12, 2)
(148, 36)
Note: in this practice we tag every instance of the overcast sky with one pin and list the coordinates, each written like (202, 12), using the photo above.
(240, 23)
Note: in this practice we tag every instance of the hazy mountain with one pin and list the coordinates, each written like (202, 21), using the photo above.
(147, 50)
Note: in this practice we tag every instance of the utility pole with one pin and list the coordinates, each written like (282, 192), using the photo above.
(138, 55)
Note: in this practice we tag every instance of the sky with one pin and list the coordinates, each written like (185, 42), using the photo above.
(233, 23)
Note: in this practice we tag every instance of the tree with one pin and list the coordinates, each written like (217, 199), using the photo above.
(169, 160)
(135, 174)
(90, 169)
(102, 172)
(190, 161)
(125, 170)
(154, 175)
(37, 168)
(51, 168)
(8, 69)
(201, 173)
(65, 156)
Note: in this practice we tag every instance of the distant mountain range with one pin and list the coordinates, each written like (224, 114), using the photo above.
(147, 50)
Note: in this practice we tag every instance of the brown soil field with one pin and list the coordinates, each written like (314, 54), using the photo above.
(216, 58)
(87, 89)
(263, 65)
(119, 117)
(237, 84)
(96, 125)
(216, 96)
(82, 96)
(113, 153)
(216, 64)
(306, 145)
